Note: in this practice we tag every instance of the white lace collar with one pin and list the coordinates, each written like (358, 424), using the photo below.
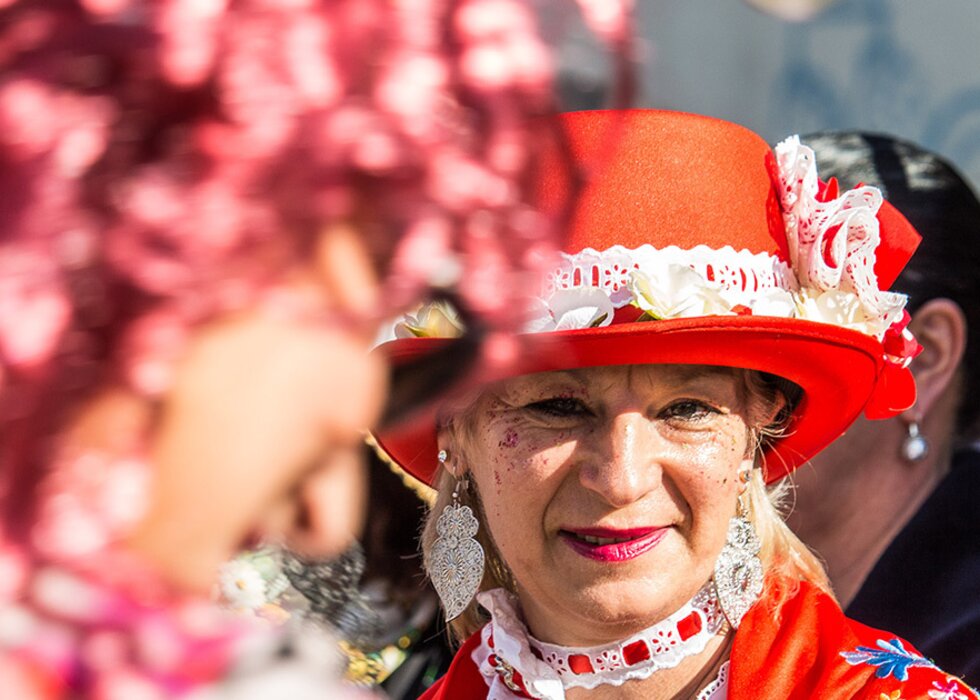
(516, 665)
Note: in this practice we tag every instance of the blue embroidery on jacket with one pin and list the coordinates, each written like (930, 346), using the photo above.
(891, 658)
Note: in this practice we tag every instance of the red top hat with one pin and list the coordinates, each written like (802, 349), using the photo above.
(695, 243)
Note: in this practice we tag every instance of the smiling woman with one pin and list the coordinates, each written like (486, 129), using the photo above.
(637, 465)
(604, 526)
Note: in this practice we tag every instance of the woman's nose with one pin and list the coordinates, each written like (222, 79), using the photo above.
(329, 506)
(623, 465)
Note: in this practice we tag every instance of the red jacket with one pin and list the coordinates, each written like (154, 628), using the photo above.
(809, 650)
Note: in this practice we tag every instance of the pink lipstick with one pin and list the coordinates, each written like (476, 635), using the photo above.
(605, 544)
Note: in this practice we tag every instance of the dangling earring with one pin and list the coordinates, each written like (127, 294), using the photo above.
(738, 571)
(456, 561)
(915, 447)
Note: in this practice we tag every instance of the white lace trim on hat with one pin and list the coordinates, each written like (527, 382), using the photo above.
(515, 664)
(614, 270)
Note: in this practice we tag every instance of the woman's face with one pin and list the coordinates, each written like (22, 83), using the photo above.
(253, 441)
(608, 490)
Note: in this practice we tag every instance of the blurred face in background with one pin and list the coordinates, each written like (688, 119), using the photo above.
(259, 438)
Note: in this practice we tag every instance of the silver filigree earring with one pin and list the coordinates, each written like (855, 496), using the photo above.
(738, 571)
(456, 561)
(915, 447)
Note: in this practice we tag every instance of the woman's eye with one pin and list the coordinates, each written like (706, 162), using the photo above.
(560, 407)
(689, 410)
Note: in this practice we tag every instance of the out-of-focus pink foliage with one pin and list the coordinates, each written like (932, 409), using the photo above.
(163, 162)
(185, 152)
(166, 161)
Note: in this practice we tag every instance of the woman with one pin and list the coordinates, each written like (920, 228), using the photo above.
(717, 318)
(920, 532)
(202, 204)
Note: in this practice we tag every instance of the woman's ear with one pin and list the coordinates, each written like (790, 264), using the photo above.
(345, 269)
(940, 327)
(447, 450)
(766, 418)
(774, 408)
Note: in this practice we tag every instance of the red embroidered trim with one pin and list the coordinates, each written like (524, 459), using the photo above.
(689, 626)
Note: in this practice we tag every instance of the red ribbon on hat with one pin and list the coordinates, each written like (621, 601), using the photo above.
(899, 344)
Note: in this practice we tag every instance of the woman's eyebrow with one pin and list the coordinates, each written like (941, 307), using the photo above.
(685, 374)
(694, 372)
(579, 375)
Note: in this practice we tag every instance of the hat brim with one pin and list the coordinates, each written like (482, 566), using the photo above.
(840, 371)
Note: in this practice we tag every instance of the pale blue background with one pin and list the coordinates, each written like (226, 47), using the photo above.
(906, 67)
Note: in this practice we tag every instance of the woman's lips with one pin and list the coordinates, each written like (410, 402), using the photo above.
(603, 544)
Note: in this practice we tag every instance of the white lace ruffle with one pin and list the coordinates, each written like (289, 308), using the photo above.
(717, 689)
(506, 637)
(677, 283)
(510, 659)
(832, 243)
(613, 270)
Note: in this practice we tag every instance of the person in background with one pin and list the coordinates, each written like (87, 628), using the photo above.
(890, 506)
(205, 208)
(373, 597)
(411, 651)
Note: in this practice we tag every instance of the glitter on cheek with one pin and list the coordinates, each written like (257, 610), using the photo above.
(511, 439)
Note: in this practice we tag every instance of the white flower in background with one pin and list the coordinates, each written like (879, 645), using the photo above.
(436, 320)
(571, 309)
(676, 291)
(242, 586)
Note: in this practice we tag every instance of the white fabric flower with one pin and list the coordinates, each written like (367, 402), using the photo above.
(838, 308)
(435, 320)
(773, 302)
(571, 309)
(242, 585)
(676, 291)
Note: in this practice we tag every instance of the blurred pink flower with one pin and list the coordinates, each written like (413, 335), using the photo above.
(34, 308)
(88, 501)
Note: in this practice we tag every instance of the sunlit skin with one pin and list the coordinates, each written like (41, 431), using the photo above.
(251, 442)
(649, 447)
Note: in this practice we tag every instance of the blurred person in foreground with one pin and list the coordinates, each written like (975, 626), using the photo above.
(374, 596)
(891, 506)
(204, 206)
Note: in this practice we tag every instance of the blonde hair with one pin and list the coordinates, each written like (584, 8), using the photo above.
(785, 559)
